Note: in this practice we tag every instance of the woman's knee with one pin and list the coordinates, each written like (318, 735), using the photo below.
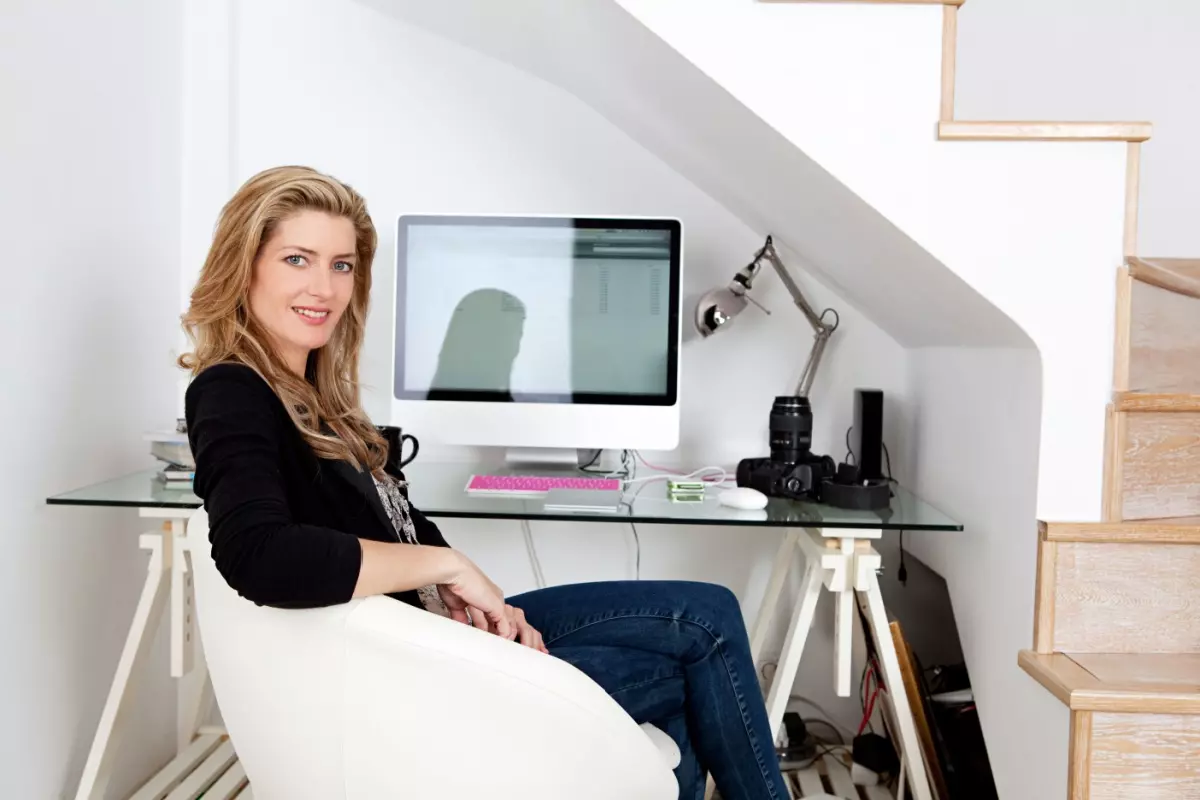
(714, 601)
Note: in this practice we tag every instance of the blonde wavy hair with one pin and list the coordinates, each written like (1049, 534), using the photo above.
(325, 404)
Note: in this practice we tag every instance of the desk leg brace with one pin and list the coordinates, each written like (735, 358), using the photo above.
(844, 563)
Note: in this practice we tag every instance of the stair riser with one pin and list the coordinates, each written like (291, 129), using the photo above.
(1120, 598)
(1143, 756)
(1154, 469)
(1164, 341)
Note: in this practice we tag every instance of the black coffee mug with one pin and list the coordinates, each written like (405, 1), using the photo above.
(395, 439)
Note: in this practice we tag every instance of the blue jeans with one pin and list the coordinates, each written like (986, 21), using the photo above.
(674, 654)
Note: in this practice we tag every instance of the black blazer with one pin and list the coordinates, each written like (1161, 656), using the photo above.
(284, 523)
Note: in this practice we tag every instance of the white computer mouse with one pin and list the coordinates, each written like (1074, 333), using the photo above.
(743, 497)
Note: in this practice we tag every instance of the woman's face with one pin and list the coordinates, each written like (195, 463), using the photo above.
(302, 282)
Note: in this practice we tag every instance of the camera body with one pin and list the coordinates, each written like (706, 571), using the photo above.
(792, 470)
(795, 481)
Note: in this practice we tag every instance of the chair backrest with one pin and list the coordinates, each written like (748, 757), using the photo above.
(375, 699)
(279, 680)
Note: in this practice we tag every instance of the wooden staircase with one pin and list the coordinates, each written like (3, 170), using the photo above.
(1117, 620)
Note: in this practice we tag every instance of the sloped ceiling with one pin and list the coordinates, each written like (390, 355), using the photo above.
(598, 52)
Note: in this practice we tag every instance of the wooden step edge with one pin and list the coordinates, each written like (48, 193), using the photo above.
(1165, 274)
(958, 130)
(881, 2)
(1080, 690)
(1154, 402)
(1057, 673)
(1161, 531)
(1136, 699)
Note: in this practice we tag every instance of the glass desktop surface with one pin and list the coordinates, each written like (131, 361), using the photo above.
(439, 490)
(139, 490)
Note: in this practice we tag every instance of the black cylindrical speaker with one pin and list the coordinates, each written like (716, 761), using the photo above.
(866, 438)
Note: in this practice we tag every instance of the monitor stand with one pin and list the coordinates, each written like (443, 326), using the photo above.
(553, 458)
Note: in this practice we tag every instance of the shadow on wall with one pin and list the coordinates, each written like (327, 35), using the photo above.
(481, 344)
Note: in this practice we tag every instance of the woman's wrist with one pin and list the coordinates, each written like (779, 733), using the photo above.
(393, 567)
(448, 563)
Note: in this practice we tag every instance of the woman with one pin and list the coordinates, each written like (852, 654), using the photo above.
(304, 513)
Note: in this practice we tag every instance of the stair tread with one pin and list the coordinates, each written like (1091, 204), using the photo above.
(1159, 669)
(1179, 275)
(1157, 683)
(1155, 401)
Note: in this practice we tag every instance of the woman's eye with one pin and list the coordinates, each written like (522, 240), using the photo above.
(342, 266)
(294, 260)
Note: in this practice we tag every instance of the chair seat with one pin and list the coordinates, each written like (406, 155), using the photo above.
(665, 744)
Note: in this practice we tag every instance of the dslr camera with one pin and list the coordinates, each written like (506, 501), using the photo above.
(792, 471)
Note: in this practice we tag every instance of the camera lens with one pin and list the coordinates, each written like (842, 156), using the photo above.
(791, 429)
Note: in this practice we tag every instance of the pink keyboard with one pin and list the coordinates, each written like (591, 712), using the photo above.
(536, 485)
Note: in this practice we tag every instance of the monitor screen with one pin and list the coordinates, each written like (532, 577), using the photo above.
(537, 309)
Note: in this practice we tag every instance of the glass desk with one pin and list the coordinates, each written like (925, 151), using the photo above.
(836, 544)
(438, 490)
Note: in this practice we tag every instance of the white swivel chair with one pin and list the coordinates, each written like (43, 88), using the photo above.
(375, 699)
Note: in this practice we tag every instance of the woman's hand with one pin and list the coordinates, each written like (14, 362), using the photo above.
(472, 597)
(526, 633)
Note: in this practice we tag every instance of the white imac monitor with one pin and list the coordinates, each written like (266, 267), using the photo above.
(538, 333)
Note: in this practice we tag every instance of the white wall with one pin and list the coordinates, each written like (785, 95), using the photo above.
(1097, 60)
(89, 152)
(975, 412)
(598, 51)
(1033, 227)
(418, 123)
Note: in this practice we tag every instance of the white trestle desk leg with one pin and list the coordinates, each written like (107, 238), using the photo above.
(98, 768)
(181, 605)
(195, 698)
(843, 628)
(780, 567)
(910, 744)
(190, 688)
(793, 646)
(194, 702)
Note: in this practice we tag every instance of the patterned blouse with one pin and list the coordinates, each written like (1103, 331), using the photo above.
(398, 512)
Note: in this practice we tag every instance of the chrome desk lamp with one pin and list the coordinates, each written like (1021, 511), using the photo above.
(719, 306)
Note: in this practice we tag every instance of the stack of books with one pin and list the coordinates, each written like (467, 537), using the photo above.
(174, 454)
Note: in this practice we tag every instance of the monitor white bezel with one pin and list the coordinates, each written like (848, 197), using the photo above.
(588, 425)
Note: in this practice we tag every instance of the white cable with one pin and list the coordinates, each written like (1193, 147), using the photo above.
(664, 476)
(625, 468)
(538, 577)
(637, 541)
(661, 472)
